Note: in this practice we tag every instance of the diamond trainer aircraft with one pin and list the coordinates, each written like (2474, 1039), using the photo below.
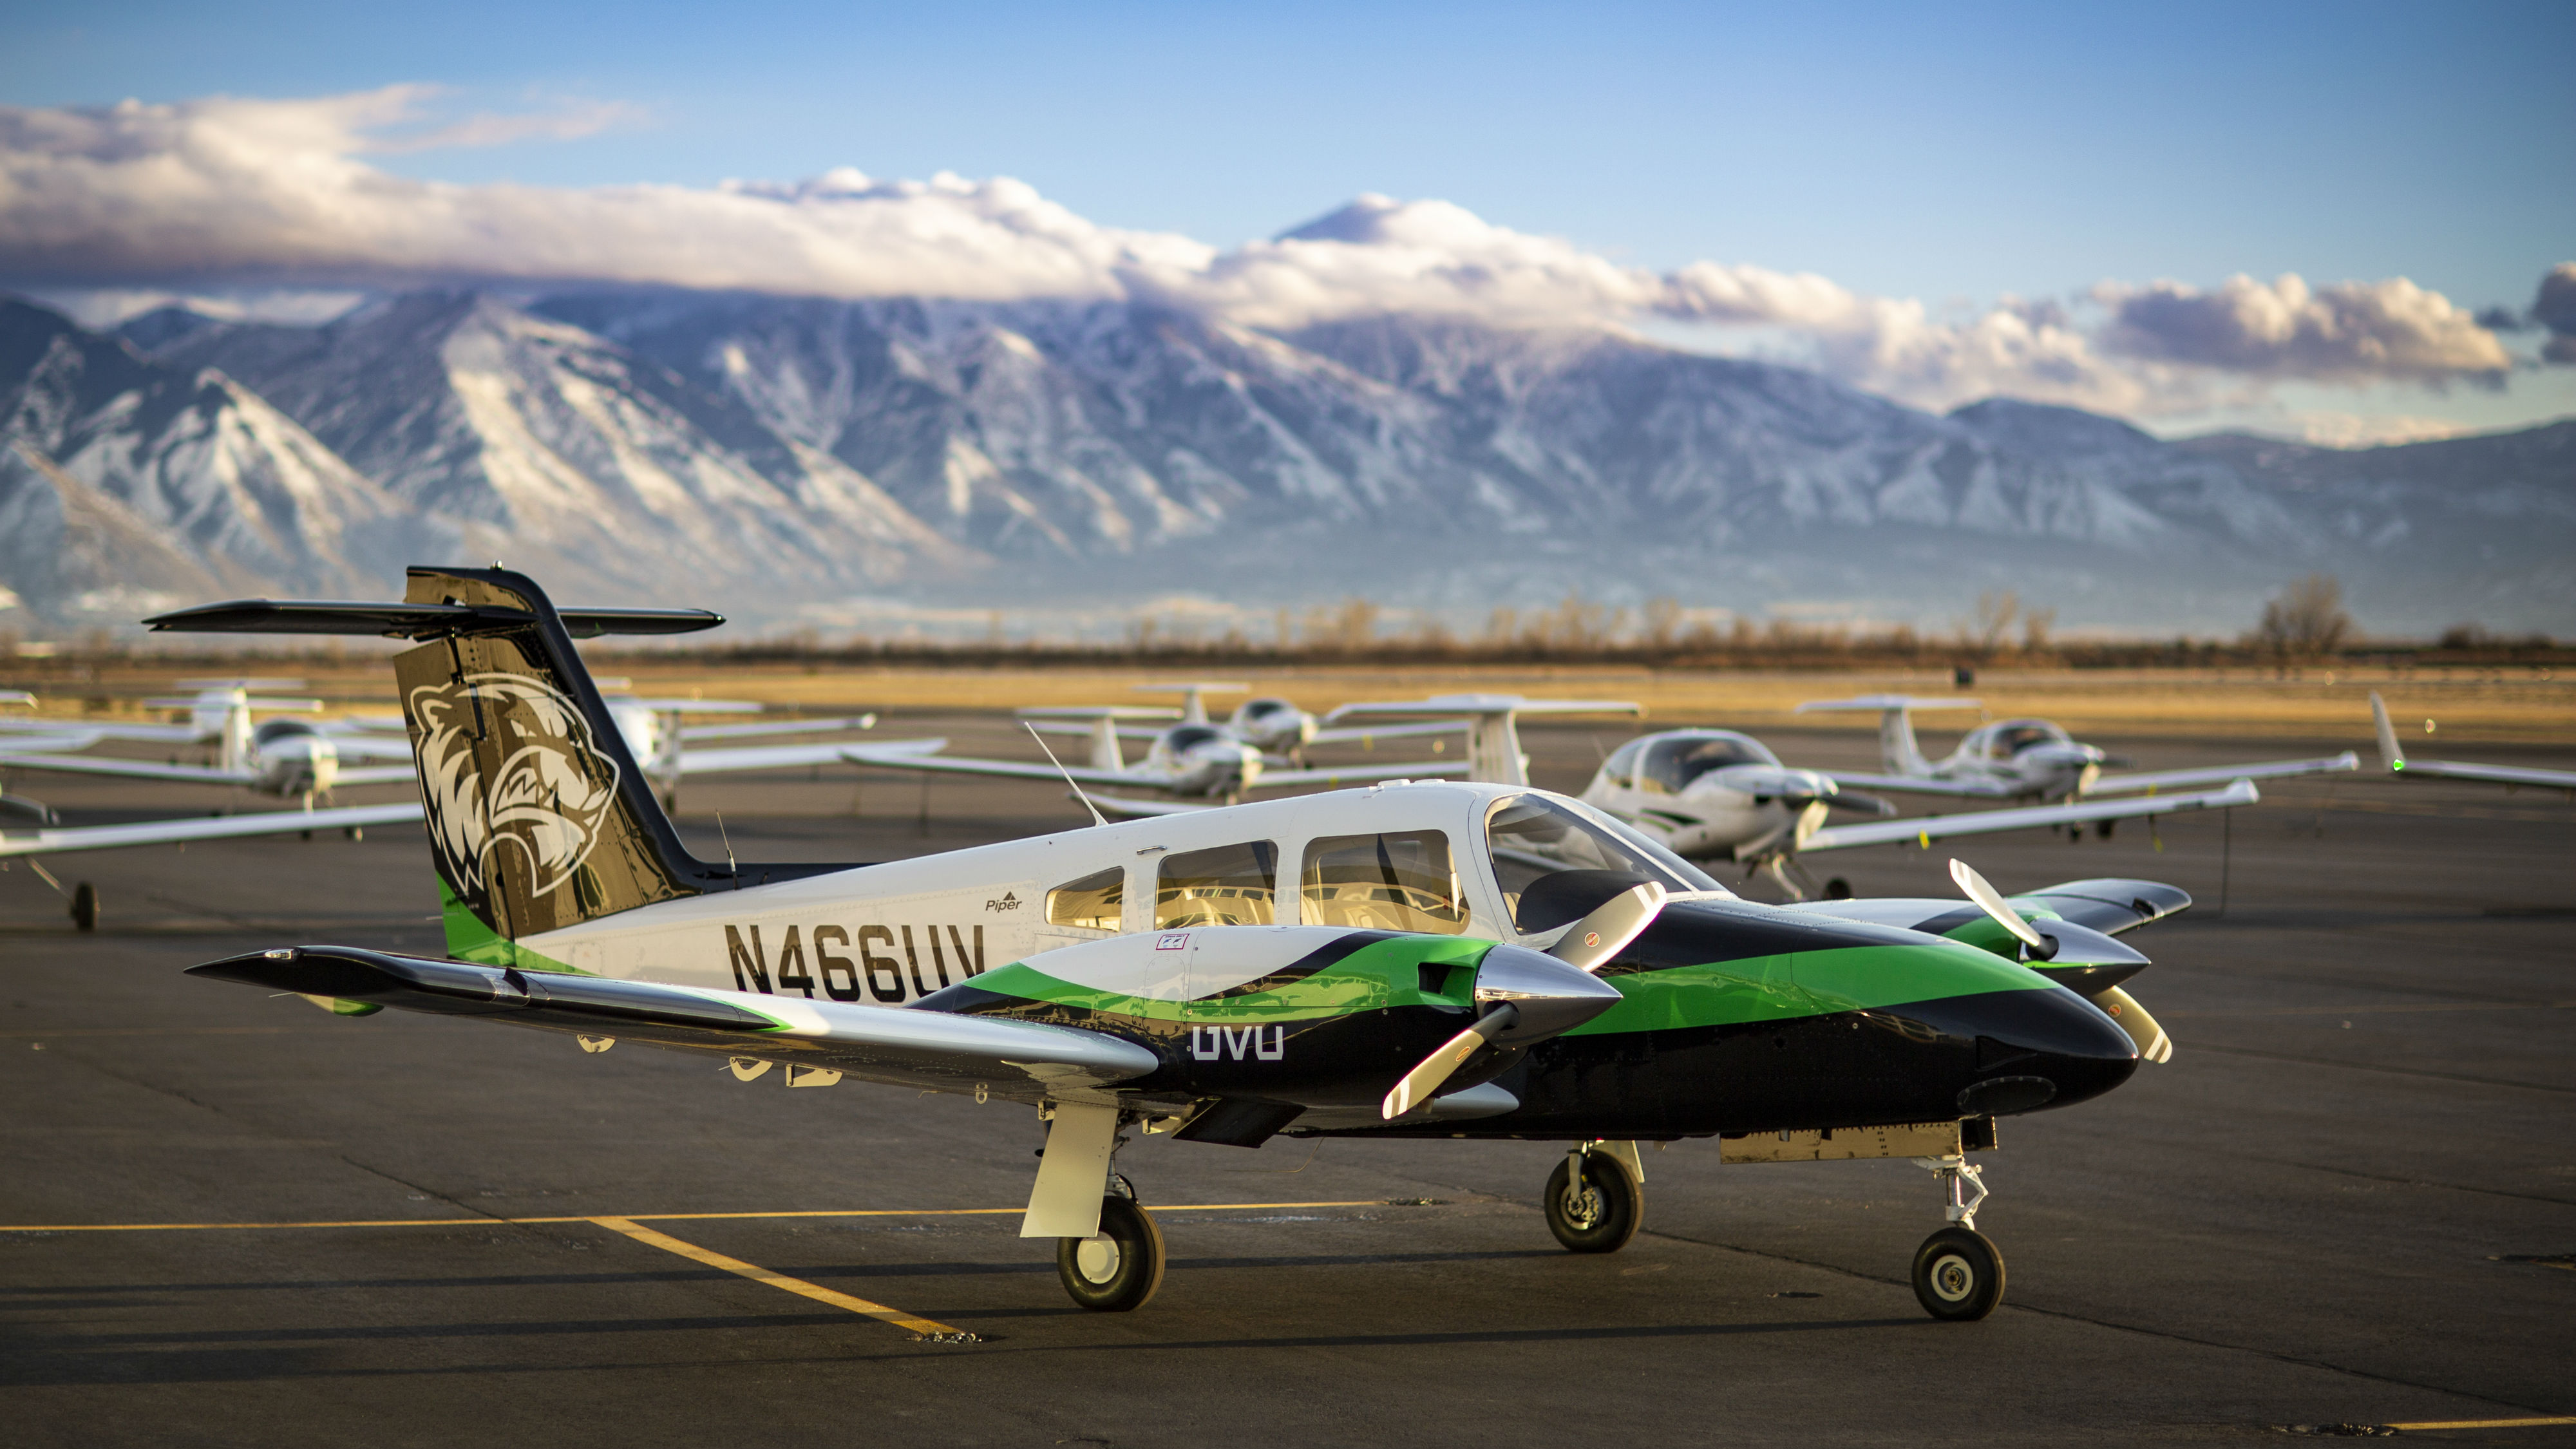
(1421, 960)
(1710, 794)
(2027, 759)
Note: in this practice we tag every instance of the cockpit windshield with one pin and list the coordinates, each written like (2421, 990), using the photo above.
(273, 730)
(1531, 836)
(1189, 737)
(1670, 765)
(1267, 705)
(2014, 736)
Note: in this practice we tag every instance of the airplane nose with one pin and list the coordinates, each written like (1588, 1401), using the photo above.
(2033, 1049)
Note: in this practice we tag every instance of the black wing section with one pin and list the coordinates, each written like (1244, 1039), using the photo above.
(416, 621)
(2110, 905)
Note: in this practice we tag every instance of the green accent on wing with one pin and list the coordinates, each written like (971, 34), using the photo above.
(1803, 983)
(1378, 975)
(468, 939)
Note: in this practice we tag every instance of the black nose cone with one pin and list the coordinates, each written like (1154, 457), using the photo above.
(2033, 1049)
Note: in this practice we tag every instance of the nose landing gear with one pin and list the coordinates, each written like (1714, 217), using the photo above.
(1594, 1204)
(1958, 1271)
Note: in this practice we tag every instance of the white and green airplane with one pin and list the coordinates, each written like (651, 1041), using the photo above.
(1420, 960)
(2027, 759)
(2393, 755)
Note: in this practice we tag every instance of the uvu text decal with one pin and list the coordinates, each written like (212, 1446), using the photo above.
(871, 972)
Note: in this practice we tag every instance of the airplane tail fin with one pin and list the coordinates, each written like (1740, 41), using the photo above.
(539, 818)
(1898, 752)
(2389, 753)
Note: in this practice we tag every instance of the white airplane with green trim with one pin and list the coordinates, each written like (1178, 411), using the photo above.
(2393, 755)
(1418, 960)
(2028, 759)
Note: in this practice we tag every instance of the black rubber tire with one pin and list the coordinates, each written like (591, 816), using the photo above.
(1606, 1216)
(1958, 1275)
(1838, 889)
(85, 906)
(1134, 1269)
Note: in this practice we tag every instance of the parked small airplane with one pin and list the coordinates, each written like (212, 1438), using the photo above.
(2509, 776)
(1443, 960)
(2027, 759)
(1274, 725)
(660, 742)
(1710, 794)
(1196, 761)
(290, 758)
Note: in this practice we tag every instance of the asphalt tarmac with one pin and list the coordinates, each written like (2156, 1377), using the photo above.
(2349, 1200)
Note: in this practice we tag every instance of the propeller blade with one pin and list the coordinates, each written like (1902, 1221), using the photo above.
(1610, 927)
(1529, 997)
(1991, 901)
(1418, 1085)
(2132, 1018)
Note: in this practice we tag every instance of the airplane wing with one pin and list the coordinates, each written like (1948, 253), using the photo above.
(1981, 822)
(1927, 785)
(1125, 732)
(217, 827)
(1333, 775)
(1350, 733)
(2461, 770)
(694, 733)
(903, 1046)
(786, 757)
(376, 775)
(1124, 808)
(2220, 774)
(371, 747)
(885, 758)
(129, 769)
(46, 744)
(150, 734)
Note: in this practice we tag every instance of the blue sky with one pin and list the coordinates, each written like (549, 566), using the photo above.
(1955, 157)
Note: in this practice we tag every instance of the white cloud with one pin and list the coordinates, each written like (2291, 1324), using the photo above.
(2344, 332)
(231, 196)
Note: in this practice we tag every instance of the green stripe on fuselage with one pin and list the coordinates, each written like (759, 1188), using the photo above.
(1378, 975)
(1804, 983)
(468, 939)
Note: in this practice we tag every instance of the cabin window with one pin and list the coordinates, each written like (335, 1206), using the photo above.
(1230, 885)
(1400, 881)
(1091, 903)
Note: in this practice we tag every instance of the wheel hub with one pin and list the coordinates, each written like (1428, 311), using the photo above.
(1953, 1279)
(1098, 1259)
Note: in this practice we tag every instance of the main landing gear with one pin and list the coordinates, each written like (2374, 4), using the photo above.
(1119, 1269)
(1958, 1272)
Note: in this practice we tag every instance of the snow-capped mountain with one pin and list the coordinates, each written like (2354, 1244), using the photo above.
(572, 454)
(779, 451)
(124, 478)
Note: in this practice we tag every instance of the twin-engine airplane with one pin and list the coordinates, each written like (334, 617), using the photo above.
(290, 758)
(2027, 759)
(1430, 959)
(2394, 757)
(1269, 723)
(1710, 795)
(668, 750)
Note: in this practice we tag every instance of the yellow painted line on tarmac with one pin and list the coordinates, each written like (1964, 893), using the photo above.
(1186, 1207)
(2381, 1010)
(2425, 1424)
(758, 1274)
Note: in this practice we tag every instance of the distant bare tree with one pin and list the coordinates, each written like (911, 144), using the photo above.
(1663, 623)
(2035, 624)
(2305, 619)
(1983, 635)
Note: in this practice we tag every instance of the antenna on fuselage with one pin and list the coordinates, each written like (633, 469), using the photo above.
(1096, 817)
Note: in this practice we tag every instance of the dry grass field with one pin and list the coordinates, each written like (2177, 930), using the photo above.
(2509, 705)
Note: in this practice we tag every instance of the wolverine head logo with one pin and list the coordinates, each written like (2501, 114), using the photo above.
(508, 764)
